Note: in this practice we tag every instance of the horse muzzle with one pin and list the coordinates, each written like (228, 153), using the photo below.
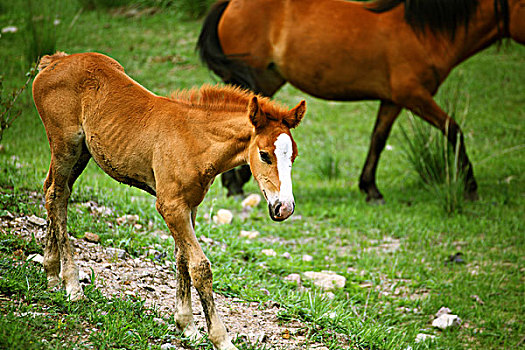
(280, 211)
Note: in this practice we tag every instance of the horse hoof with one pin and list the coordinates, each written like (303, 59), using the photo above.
(75, 294)
(375, 200)
(53, 283)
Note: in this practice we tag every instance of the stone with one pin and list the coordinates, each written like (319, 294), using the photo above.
(443, 311)
(286, 255)
(249, 234)
(307, 258)
(422, 337)
(167, 346)
(35, 220)
(36, 258)
(326, 280)
(128, 219)
(269, 252)
(251, 201)
(116, 252)
(91, 237)
(446, 321)
(223, 217)
(293, 277)
(84, 277)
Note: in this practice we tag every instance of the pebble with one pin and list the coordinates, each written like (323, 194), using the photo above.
(326, 280)
(443, 311)
(251, 201)
(286, 255)
(35, 220)
(128, 219)
(167, 346)
(293, 277)
(36, 258)
(224, 216)
(249, 234)
(446, 321)
(116, 252)
(422, 337)
(307, 258)
(84, 277)
(91, 237)
(269, 252)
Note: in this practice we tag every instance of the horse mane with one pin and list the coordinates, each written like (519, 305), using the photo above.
(228, 97)
(444, 16)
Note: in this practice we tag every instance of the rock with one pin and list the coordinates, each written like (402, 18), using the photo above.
(116, 252)
(128, 219)
(477, 299)
(251, 201)
(84, 277)
(35, 220)
(422, 337)
(91, 237)
(443, 311)
(329, 295)
(167, 346)
(269, 252)
(8, 215)
(326, 280)
(293, 277)
(224, 216)
(446, 321)
(249, 234)
(286, 255)
(307, 258)
(36, 258)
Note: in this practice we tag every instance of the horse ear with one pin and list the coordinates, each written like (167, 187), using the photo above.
(254, 112)
(295, 116)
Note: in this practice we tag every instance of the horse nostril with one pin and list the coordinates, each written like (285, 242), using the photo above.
(277, 208)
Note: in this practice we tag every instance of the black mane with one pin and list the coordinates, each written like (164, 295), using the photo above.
(442, 15)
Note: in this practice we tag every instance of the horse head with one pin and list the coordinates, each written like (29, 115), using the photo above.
(271, 153)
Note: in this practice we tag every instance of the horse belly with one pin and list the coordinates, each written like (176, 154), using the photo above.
(125, 161)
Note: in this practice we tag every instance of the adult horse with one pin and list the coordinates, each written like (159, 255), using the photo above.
(395, 51)
(170, 148)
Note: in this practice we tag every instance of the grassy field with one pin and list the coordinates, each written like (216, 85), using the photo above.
(393, 256)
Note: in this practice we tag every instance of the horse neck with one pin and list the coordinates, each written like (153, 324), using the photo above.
(228, 135)
(482, 32)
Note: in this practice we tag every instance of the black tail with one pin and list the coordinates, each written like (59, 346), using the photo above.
(231, 70)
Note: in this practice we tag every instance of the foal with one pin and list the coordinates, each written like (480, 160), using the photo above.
(170, 148)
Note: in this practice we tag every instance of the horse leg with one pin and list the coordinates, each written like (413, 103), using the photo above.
(424, 106)
(386, 116)
(68, 158)
(192, 267)
(265, 83)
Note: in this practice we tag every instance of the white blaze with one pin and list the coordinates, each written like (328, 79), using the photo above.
(283, 153)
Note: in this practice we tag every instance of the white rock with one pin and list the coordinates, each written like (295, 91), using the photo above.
(326, 280)
(251, 201)
(269, 252)
(35, 220)
(443, 311)
(167, 346)
(84, 277)
(307, 258)
(286, 255)
(293, 277)
(116, 252)
(128, 219)
(36, 258)
(249, 234)
(329, 295)
(422, 337)
(224, 216)
(446, 321)
(9, 29)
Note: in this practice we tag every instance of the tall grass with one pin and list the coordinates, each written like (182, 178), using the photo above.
(436, 161)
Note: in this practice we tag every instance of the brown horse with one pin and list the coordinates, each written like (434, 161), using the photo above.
(395, 51)
(171, 148)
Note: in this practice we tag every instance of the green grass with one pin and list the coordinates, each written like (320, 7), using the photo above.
(335, 225)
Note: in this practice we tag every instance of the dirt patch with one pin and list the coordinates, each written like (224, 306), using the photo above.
(118, 274)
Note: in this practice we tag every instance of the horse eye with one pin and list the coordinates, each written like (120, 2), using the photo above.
(265, 157)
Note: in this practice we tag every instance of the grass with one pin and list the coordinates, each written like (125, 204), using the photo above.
(390, 294)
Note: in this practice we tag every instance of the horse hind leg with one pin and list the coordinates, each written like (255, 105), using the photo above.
(388, 113)
(68, 159)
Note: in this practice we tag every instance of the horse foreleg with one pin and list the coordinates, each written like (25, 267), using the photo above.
(192, 265)
(424, 106)
(386, 116)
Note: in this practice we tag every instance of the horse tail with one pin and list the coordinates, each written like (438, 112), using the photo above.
(48, 59)
(231, 70)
